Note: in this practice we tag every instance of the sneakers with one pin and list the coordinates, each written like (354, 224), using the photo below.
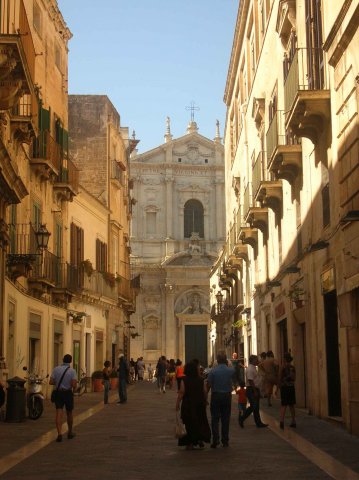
(59, 438)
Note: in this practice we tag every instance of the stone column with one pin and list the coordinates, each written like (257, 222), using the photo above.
(170, 333)
(169, 207)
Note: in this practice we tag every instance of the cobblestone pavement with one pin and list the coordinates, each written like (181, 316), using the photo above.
(135, 441)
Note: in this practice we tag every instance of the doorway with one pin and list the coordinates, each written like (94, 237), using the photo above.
(283, 338)
(332, 353)
(196, 343)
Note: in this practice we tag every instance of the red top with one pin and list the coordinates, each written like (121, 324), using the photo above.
(242, 395)
(179, 371)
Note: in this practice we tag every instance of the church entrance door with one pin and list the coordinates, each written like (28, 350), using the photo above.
(196, 343)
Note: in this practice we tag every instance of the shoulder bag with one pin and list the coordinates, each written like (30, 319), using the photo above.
(55, 392)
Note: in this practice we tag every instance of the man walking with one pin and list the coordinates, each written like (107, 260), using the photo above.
(220, 381)
(65, 379)
(253, 393)
(123, 372)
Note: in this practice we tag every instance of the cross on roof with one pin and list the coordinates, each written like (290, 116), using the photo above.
(193, 108)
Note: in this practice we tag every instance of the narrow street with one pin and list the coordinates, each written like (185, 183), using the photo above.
(136, 442)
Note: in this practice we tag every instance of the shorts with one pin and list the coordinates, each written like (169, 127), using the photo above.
(65, 399)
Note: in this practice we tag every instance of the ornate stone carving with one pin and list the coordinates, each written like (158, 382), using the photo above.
(193, 303)
(151, 321)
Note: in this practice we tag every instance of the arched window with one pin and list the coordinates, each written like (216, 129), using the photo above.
(193, 218)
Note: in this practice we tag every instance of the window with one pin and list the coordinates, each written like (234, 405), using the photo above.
(326, 205)
(34, 342)
(206, 160)
(101, 256)
(150, 223)
(36, 20)
(179, 160)
(115, 246)
(58, 342)
(76, 255)
(193, 218)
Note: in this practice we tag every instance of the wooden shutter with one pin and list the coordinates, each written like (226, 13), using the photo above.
(73, 244)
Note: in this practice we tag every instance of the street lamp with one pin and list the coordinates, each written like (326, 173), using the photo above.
(42, 237)
(219, 297)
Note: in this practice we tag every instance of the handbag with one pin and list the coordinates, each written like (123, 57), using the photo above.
(180, 427)
(54, 393)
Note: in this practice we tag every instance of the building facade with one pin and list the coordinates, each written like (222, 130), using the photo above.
(100, 148)
(37, 181)
(64, 268)
(287, 279)
(177, 231)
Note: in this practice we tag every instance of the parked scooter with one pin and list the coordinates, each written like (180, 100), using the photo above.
(35, 397)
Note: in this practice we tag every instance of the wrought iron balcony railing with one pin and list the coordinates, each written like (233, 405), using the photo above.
(303, 71)
(14, 24)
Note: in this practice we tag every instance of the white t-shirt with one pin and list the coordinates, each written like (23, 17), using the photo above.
(252, 374)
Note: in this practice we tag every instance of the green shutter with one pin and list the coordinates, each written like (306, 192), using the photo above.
(65, 142)
(44, 119)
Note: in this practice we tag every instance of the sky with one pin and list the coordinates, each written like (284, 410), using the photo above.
(152, 58)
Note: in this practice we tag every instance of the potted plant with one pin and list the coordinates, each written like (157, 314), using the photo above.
(87, 266)
(109, 278)
(114, 379)
(97, 381)
(296, 295)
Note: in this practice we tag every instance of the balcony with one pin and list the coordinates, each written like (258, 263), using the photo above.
(46, 156)
(249, 236)
(284, 150)
(306, 94)
(17, 67)
(266, 190)
(22, 250)
(44, 273)
(100, 284)
(23, 119)
(257, 217)
(67, 182)
(117, 173)
(69, 279)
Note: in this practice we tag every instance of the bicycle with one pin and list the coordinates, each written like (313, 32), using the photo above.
(82, 385)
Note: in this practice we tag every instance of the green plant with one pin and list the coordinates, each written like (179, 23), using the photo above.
(87, 266)
(109, 278)
(239, 323)
(97, 374)
(296, 293)
(118, 278)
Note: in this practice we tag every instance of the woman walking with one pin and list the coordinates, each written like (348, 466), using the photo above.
(287, 390)
(192, 401)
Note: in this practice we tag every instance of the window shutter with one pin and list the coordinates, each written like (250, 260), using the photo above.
(73, 244)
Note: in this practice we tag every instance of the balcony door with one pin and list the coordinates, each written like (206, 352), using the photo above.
(314, 35)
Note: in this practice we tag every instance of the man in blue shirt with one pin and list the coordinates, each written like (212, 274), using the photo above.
(220, 381)
(64, 378)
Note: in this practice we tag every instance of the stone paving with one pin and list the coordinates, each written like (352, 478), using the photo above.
(135, 441)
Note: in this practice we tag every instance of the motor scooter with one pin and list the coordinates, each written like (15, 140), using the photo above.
(35, 397)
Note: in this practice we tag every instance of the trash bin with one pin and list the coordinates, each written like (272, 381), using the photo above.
(16, 400)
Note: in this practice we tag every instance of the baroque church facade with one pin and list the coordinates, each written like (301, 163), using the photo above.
(178, 227)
